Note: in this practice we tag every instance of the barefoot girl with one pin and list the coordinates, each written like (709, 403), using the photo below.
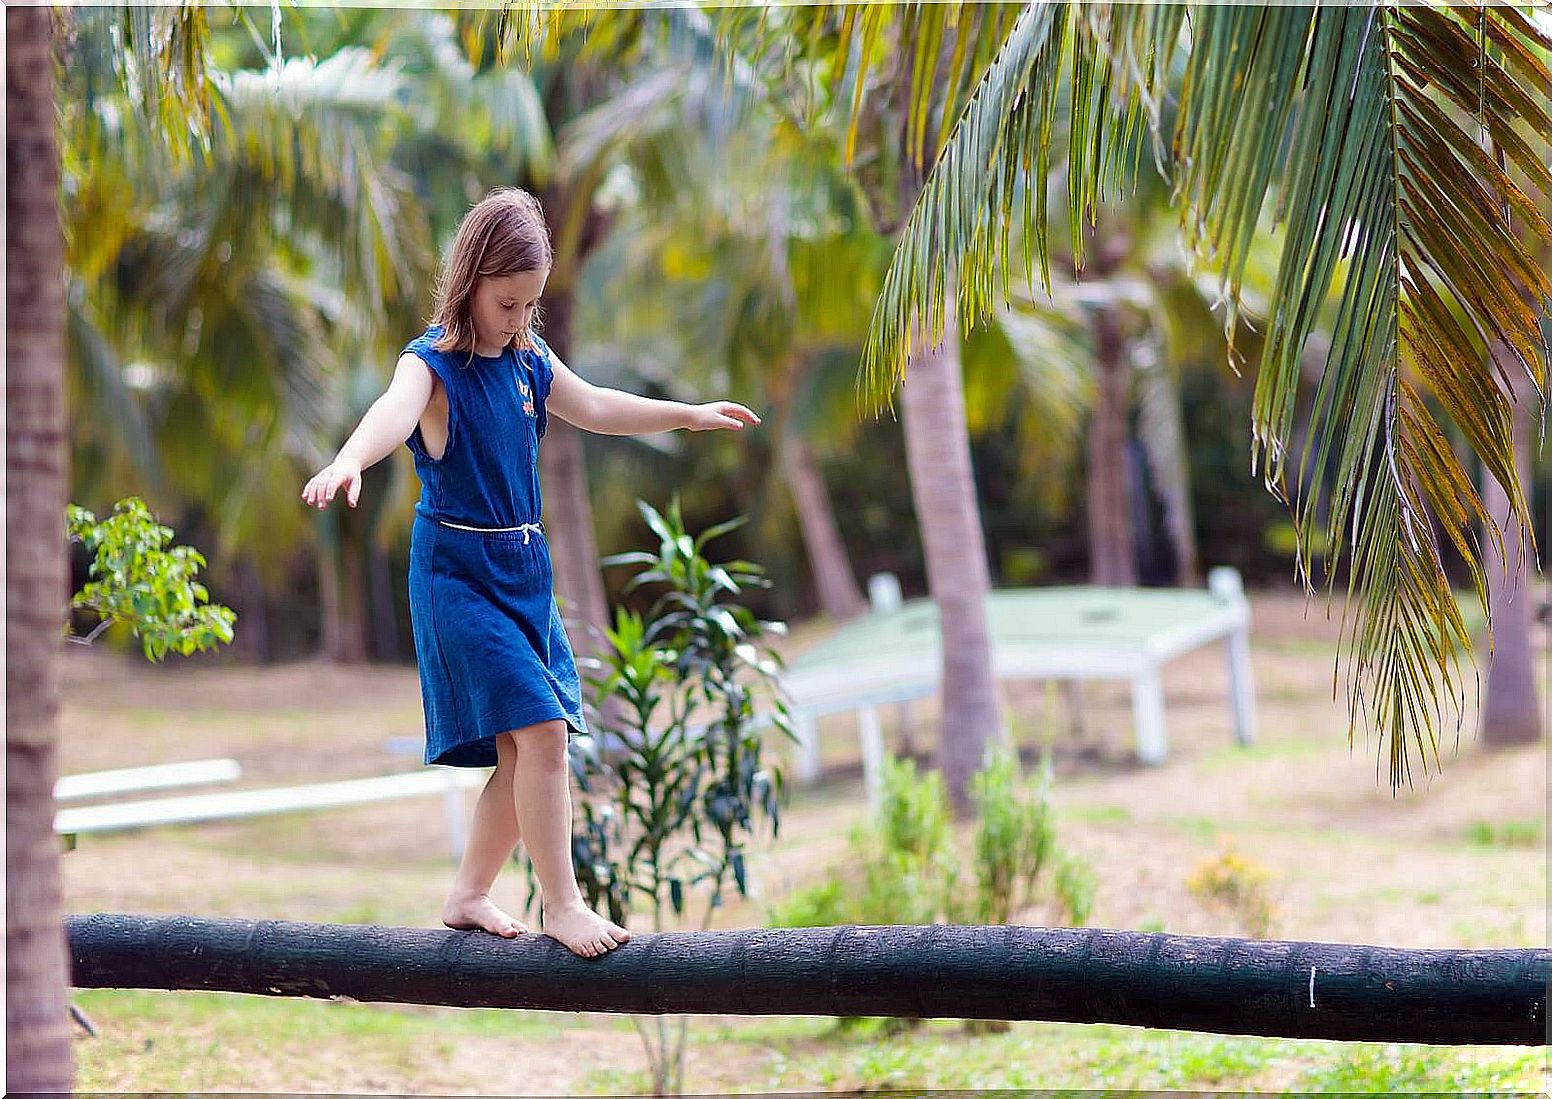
(470, 397)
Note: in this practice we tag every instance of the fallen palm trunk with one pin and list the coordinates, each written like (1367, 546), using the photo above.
(1076, 975)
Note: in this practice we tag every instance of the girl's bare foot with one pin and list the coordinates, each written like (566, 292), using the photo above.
(582, 930)
(479, 913)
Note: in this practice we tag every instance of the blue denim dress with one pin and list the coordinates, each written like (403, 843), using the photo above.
(489, 641)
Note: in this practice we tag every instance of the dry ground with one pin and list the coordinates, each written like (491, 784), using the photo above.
(1349, 860)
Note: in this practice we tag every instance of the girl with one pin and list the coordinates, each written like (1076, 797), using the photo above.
(470, 397)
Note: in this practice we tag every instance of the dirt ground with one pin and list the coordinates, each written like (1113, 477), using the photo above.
(1349, 861)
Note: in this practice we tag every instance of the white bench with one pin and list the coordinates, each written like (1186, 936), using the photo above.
(158, 776)
(233, 804)
(1072, 633)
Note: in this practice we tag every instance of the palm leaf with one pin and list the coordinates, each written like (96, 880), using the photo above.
(1364, 122)
(1388, 195)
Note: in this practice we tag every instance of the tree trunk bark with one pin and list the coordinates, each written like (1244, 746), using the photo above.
(568, 521)
(340, 589)
(1067, 974)
(353, 591)
(38, 1053)
(943, 488)
(1109, 474)
(834, 583)
(1169, 457)
(1511, 711)
(385, 624)
(250, 637)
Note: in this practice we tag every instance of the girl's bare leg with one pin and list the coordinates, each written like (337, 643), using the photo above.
(543, 790)
(493, 836)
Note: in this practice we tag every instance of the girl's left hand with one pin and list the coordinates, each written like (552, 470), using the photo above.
(707, 417)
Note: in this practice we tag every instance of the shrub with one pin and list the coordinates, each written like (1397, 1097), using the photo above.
(136, 580)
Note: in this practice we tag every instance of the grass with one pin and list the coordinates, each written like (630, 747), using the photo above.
(213, 1041)
(1386, 1069)
(809, 1053)
(161, 1041)
(1509, 833)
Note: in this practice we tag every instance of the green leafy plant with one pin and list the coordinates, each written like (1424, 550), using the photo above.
(903, 865)
(667, 813)
(137, 580)
(1015, 836)
(1238, 884)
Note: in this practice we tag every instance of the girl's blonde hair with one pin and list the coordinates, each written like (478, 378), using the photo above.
(504, 234)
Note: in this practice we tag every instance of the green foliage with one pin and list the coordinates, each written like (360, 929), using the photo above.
(139, 582)
(1074, 886)
(904, 867)
(1238, 884)
(669, 809)
(1388, 1069)
(1015, 838)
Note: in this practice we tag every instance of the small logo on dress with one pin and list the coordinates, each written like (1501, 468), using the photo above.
(523, 388)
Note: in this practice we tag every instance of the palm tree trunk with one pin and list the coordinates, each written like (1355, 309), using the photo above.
(341, 592)
(943, 488)
(38, 1054)
(568, 521)
(834, 583)
(385, 623)
(1111, 560)
(1511, 712)
(251, 642)
(1169, 459)
(354, 600)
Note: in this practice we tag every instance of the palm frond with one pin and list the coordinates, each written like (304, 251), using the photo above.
(99, 393)
(1406, 146)
(303, 136)
(1005, 128)
(1365, 117)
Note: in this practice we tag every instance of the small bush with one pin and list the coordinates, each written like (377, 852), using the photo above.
(136, 580)
(1237, 884)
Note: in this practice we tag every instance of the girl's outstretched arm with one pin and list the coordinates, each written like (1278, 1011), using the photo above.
(615, 412)
(385, 426)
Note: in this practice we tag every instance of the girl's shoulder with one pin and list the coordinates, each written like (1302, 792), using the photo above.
(424, 341)
(424, 346)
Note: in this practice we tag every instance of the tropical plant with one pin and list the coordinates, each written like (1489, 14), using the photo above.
(766, 269)
(673, 776)
(136, 580)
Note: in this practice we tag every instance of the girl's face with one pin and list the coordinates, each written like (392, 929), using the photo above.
(503, 308)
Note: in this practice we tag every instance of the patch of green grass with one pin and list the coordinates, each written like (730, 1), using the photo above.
(1507, 833)
(153, 1041)
(1097, 814)
(157, 1040)
(812, 1052)
(611, 1081)
(1385, 1069)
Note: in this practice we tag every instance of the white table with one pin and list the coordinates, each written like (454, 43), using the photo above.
(1064, 633)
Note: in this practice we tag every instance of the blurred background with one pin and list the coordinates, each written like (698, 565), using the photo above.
(231, 320)
(239, 292)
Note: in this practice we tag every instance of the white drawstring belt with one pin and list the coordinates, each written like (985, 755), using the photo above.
(526, 528)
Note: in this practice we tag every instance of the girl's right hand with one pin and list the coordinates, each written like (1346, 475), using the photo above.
(328, 480)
